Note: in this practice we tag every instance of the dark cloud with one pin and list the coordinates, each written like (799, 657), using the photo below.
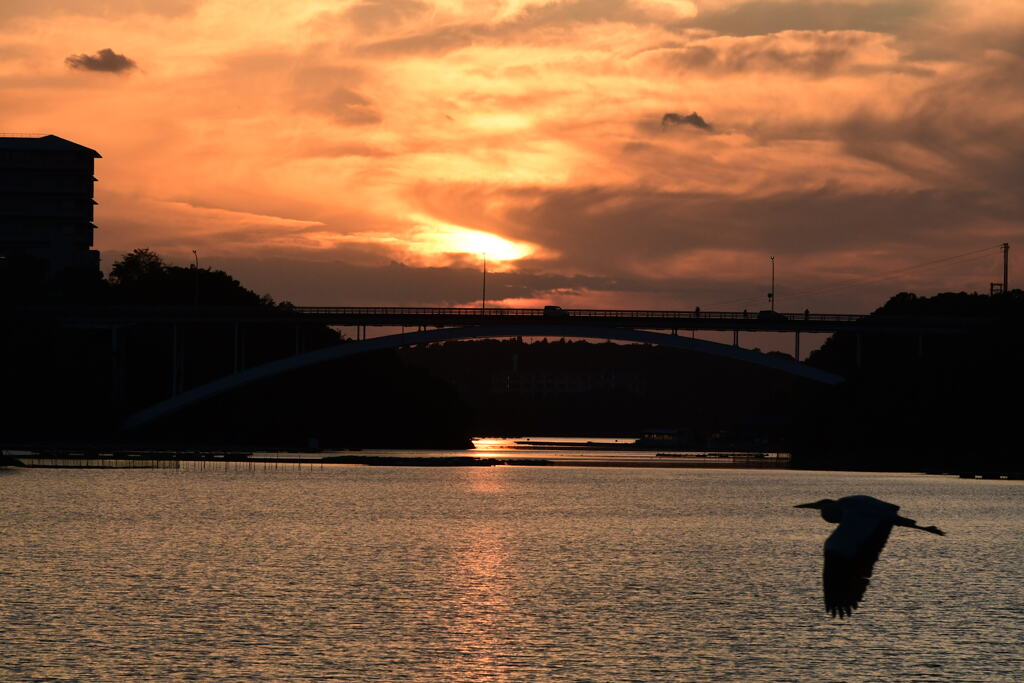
(944, 137)
(620, 233)
(957, 44)
(693, 119)
(370, 16)
(444, 39)
(105, 60)
(318, 77)
(812, 53)
(624, 227)
(550, 17)
(331, 91)
(762, 17)
(348, 106)
(742, 57)
(322, 151)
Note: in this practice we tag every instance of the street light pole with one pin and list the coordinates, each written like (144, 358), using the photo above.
(196, 279)
(483, 296)
(771, 295)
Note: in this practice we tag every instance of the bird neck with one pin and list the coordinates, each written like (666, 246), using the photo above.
(831, 513)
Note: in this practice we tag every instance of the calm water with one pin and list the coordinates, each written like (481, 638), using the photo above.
(506, 573)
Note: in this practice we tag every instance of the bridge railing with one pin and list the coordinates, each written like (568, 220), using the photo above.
(408, 316)
(573, 313)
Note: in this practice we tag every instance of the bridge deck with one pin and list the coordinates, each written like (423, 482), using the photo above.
(390, 316)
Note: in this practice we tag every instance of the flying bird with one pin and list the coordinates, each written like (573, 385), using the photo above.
(853, 548)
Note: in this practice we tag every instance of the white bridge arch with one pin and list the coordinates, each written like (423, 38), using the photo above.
(230, 382)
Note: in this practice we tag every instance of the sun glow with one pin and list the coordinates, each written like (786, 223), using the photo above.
(437, 237)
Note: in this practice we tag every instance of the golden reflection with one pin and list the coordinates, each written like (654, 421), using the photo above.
(486, 479)
(482, 609)
(491, 446)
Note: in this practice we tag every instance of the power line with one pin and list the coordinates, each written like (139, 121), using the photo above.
(886, 275)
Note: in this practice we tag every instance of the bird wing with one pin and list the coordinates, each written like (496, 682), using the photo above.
(850, 555)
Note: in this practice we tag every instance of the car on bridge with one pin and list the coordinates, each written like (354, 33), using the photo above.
(554, 311)
(770, 315)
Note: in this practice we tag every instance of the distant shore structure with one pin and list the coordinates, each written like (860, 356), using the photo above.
(46, 204)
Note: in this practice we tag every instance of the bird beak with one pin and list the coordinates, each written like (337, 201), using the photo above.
(806, 505)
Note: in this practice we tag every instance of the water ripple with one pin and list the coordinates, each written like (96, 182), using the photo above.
(493, 574)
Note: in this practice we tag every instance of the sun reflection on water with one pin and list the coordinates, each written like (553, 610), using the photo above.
(486, 479)
(482, 607)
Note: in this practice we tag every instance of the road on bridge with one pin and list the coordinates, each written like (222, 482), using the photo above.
(539, 318)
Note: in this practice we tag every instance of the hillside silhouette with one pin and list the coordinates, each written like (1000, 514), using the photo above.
(61, 385)
(926, 403)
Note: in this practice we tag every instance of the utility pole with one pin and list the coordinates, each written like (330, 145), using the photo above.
(1002, 288)
(483, 295)
(1006, 265)
(771, 294)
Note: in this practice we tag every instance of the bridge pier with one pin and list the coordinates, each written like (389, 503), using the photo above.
(796, 350)
(736, 338)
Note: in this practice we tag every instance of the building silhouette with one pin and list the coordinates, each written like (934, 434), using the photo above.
(46, 206)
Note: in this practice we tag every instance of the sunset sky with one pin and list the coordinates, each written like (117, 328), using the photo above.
(603, 153)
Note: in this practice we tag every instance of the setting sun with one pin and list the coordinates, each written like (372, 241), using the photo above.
(437, 237)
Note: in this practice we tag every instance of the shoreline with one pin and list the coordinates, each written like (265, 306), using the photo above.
(135, 459)
(169, 459)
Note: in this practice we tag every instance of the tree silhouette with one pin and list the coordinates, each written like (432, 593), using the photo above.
(136, 267)
(142, 277)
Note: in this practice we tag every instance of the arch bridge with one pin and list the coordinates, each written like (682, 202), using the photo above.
(302, 360)
(645, 326)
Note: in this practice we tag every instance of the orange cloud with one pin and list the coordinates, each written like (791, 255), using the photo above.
(426, 132)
